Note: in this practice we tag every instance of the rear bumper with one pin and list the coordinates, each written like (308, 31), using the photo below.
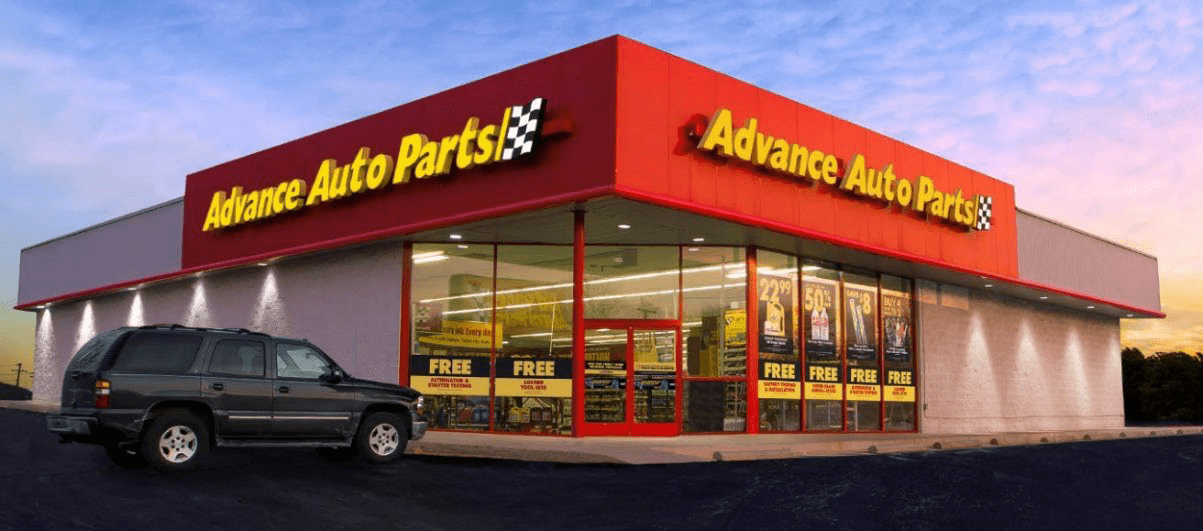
(74, 428)
(419, 429)
(78, 426)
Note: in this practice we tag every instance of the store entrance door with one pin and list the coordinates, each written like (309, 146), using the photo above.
(631, 378)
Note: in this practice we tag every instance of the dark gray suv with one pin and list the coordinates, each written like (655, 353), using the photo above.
(163, 394)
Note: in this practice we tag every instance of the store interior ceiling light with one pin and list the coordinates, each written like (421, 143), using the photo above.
(989, 285)
(1043, 297)
(693, 249)
(456, 236)
(624, 226)
(461, 246)
(699, 239)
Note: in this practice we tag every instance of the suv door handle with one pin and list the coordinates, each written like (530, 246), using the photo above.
(282, 389)
(217, 386)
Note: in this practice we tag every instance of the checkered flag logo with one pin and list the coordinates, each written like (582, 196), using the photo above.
(525, 124)
(985, 210)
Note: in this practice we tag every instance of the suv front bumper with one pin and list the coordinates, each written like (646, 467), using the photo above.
(419, 429)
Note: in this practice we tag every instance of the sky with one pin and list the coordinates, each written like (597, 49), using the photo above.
(1092, 110)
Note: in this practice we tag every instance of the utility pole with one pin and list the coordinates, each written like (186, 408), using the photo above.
(19, 374)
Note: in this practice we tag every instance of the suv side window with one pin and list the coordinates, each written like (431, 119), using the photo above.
(299, 361)
(158, 352)
(237, 357)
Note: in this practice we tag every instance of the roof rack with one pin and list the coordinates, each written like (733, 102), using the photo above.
(174, 326)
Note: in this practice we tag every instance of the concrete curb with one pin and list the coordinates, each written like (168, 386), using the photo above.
(734, 447)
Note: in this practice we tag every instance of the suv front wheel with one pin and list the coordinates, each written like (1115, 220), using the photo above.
(382, 437)
(175, 441)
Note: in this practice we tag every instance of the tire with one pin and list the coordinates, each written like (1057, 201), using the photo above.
(175, 441)
(340, 454)
(125, 455)
(382, 437)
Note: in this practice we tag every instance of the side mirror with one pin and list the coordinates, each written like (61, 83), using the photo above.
(334, 376)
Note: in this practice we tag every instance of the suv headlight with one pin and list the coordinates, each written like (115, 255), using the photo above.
(420, 405)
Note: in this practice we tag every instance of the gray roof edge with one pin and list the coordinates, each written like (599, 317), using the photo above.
(1084, 233)
(123, 217)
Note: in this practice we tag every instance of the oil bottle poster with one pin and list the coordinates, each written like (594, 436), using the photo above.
(776, 314)
(820, 318)
(860, 319)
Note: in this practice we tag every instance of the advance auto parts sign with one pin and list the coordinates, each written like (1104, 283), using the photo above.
(814, 166)
(417, 158)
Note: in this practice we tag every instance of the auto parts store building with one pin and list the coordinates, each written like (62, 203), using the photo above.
(616, 241)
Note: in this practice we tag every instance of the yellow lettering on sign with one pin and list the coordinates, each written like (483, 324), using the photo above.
(407, 156)
(898, 377)
(769, 152)
(779, 371)
(824, 374)
(718, 134)
(866, 376)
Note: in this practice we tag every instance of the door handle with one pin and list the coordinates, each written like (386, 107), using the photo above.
(217, 386)
(282, 389)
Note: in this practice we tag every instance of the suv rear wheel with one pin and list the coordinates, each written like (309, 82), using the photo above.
(175, 441)
(382, 437)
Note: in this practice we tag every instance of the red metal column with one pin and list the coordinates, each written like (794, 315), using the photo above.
(493, 349)
(407, 260)
(578, 322)
(752, 351)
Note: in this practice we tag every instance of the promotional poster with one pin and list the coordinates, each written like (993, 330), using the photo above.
(776, 312)
(896, 324)
(860, 330)
(820, 318)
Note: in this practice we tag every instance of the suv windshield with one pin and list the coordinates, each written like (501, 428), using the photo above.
(89, 356)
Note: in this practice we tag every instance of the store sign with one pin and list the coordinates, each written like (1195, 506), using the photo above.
(863, 384)
(465, 334)
(823, 382)
(857, 177)
(534, 377)
(900, 385)
(779, 379)
(418, 157)
(446, 375)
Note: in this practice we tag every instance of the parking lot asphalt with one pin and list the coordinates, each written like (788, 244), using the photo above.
(1137, 483)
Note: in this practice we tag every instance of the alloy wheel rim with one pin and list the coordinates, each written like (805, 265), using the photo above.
(177, 444)
(383, 439)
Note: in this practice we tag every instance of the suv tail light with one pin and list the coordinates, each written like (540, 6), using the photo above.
(102, 394)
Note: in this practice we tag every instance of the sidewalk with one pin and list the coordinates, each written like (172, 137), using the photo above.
(735, 447)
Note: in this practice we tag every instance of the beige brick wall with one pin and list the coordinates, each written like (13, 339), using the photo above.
(991, 363)
(348, 303)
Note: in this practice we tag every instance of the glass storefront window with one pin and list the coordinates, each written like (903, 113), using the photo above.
(779, 388)
(898, 333)
(533, 383)
(605, 375)
(863, 378)
(714, 406)
(714, 324)
(631, 282)
(823, 390)
(452, 331)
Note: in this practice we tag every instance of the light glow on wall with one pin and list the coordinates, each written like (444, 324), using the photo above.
(268, 315)
(198, 313)
(87, 327)
(43, 356)
(137, 316)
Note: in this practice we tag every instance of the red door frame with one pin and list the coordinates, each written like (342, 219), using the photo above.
(628, 426)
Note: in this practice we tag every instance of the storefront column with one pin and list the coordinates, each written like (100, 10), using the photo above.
(753, 345)
(578, 322)
(407, 268)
